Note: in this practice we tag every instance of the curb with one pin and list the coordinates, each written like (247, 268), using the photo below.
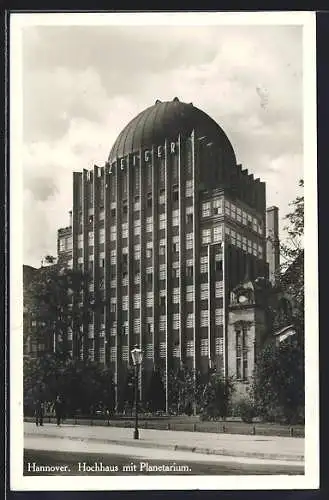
(178, 447)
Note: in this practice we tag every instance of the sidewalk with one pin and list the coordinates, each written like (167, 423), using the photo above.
(234, 445)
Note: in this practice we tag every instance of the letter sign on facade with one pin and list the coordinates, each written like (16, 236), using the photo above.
(159, 151)
(147, 155)
(122, 163)
(172, 147)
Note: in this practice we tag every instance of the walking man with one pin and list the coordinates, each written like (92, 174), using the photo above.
(58, 410)
(38, 412)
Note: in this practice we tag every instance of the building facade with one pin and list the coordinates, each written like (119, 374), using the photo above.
(165, 230)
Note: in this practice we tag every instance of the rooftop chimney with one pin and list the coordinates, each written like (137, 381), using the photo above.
(273, 243)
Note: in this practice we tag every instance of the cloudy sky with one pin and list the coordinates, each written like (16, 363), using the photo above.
(82, 84)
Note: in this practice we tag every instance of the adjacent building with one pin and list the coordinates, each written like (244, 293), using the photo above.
(165, 230)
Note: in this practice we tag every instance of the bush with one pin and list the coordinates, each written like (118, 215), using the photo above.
(246, 410)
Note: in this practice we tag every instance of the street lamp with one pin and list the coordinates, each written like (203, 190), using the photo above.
(137, 357)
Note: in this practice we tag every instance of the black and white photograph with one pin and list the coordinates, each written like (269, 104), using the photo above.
(163, 251)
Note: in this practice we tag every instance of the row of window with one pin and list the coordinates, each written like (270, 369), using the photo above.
(204, 319)
(219, 207)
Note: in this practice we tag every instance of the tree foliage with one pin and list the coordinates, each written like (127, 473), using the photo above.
(184, 390)
(83, 385)
(278, 384)
(48, 300)
(217, 395)
(155, 394)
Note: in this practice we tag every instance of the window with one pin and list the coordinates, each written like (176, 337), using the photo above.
(137, 324)
(175, 244)
(125, 230)
(149, 322)
(206, 236)
(113, 256)
(206, 211)
(219, 346)
(90, 238)
(176, 351)
(113, 233)
(149, 224)
(136, 178)
(227, 208)
(176, 321)
(149, 173)
(162, 273)
(218, 316)
(218, 289)
(189, 240)
(162, 171)
(137, 278)
(190, 320)
(217, 233)
(113, 305)
(204, 317)
(149, 253)
(113, 353)
(125, 302)
(162, 221)
(125, 353)
(189, 293)
(190, 348)
(162, 246)
(238, 214)
(113, 213)
(162, 196)
(162, 323)
(189, 215)
(175, 269)
(125, 329)
(137, 252)
(189, 188)
(204, 291)
(175, 217)
(204, 347)
(204, 264)
(238, 353)
(102, 235)
(163, 350)
(149, 351)
(149, 299)
(244, 218)
(124, 206)
(233, 211)
(189, 268)
(175, 193)
(175, 296)
(218, 207)
(149, 200)
(137, 204)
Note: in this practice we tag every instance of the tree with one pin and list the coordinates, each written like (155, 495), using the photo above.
(155, 395)
(278, 383)
(48, 301)
(184, 389)
(83, 385)
(217, 394)
(291, 272)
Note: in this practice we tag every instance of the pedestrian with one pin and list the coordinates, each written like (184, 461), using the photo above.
(38, 412)
(58, 406)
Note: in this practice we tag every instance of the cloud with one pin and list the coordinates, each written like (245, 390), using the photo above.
(83, 84)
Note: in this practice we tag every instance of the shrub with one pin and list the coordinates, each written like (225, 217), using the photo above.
(246, 410)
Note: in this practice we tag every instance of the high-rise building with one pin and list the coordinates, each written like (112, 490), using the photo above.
(165, 230)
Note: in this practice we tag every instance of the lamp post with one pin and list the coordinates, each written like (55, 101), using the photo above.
(137, 357)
